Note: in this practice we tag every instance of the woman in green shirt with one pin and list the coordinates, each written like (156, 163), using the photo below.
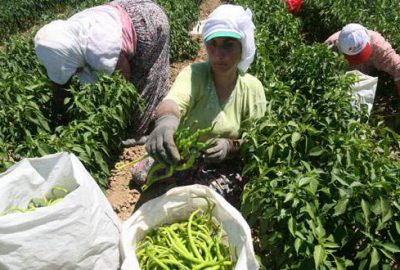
(216, 93)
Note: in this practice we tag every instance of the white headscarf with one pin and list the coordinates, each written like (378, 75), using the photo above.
(233, 18)
(90, 39)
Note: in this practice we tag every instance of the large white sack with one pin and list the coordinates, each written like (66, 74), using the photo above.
(364, 90)
(79, 232)
(177, 205)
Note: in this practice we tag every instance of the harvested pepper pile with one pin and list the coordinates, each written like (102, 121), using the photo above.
(193, 245)
(57, 194)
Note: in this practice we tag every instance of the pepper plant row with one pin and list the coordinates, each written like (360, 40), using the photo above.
(25, 114)
(323, 181)
(182, 15)
(98, 114)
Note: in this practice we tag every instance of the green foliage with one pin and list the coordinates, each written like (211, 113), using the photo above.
(323, 190)
(99, 113)
(182, 15)
(322, 18)
(20, 15)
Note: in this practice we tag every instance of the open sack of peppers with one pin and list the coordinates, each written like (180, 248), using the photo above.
(53, 215)
(189, 227)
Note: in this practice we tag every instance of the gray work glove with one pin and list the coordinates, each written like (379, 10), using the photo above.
(133, 142)
(221, 149)
(160, 143)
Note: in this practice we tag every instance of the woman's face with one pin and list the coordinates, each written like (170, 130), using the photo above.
(224, 54)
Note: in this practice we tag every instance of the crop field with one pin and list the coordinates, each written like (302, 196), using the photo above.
(323, 190)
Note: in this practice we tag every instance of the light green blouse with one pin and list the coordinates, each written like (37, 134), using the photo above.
(194, 92)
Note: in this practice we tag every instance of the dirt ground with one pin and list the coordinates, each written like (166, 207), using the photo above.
(122, 193)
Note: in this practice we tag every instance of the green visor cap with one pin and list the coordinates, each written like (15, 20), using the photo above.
(223, 34)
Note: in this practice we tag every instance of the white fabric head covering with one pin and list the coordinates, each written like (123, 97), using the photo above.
(234, 19)
(91, 39)
(353, 38)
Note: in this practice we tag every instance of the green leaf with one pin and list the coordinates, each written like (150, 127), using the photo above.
(341, 207)
(391, 247)
(340, 180)
(270, 152)
(320, 231)
(365, 207)
(339, 264)
(319, 256)
(315, 151)
(297, 244)
(362, 264)
(397, 227)
(387, 254)
(310, 210)
(374, 259)
(295, 138)
(293, 124)
(331, 245)
(306, 165)
(289, 197)
(304, 181)
(291, 226)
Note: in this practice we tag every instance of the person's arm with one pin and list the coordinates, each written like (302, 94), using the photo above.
(59, 94)
(160, 143)
(58, 107)
(124, 66)
(168, 106)
(164, 108)
(386, 59)
(397, 85)
(331, 41)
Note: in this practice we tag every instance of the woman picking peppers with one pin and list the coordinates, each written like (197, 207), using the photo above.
(129, 36)
(366, 50)
(217, 93)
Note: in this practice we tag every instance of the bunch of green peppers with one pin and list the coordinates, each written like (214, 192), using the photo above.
(190, 245)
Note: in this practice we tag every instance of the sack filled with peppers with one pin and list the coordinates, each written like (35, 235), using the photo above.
(189, 227)
(192, 244)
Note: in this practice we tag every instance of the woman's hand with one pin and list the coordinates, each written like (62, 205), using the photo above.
(124, 66)
(160, 143)
(221, 149)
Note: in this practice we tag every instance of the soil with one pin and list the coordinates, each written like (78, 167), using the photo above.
(122, 193)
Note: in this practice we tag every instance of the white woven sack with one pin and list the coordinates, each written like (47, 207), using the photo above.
(177, 205)
(79, 232)
(364, 90)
